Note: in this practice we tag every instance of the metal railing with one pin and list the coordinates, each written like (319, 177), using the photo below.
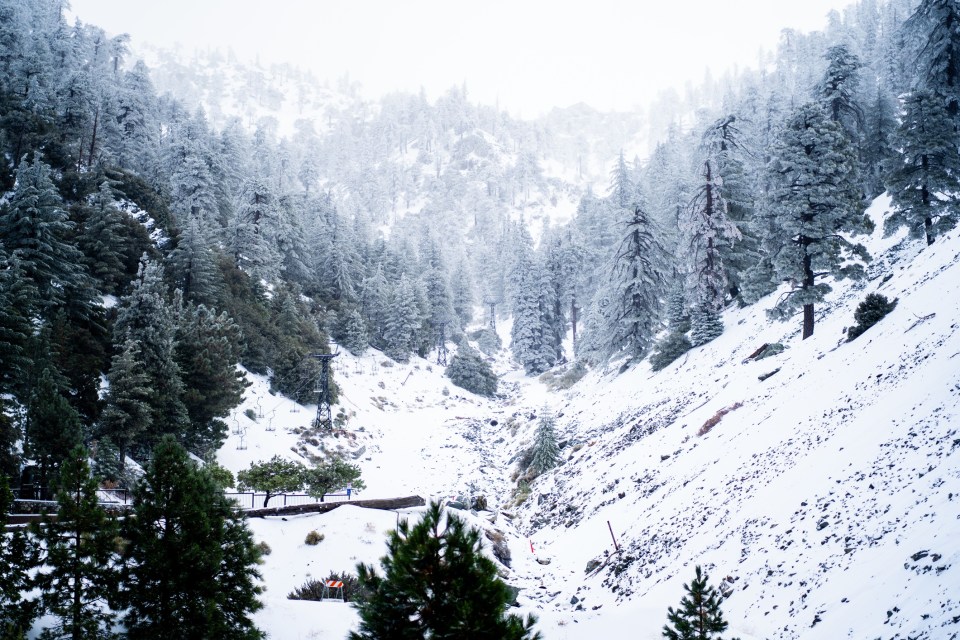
(254, 499)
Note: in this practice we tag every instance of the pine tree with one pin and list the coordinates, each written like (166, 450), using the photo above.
(934, 28)
(838, 89)
(817, 198)
(80, 573)
(437, 584)
(192, 563)
(53, 426)
(127, 415)
(546, 453)
(468, 370)
(355, 338)
(275, 476)
(330, 475)
(35, 228)
(924, 181)
(146, 318)
(207, 352)
(708, 228)
(402, 321)
(18, 556)
(699, 616)
(16, 329)
(192, 267)
(102, 238)
(626, 323)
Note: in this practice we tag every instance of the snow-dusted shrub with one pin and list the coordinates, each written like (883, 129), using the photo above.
(313, 538)
(869, 312)
(671, 347)
(469, 371)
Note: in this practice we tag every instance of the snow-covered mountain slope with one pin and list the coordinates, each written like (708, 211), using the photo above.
(826, 500)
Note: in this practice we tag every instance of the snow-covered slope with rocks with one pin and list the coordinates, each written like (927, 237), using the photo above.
(826, 500)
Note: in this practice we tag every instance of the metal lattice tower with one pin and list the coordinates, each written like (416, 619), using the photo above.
(493, 314)
(442, 344)
(324, 414)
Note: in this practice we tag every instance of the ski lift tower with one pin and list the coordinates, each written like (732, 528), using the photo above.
(442, 344)
(324, 415)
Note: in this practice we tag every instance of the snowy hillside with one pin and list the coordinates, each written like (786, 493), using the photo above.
(825, 499)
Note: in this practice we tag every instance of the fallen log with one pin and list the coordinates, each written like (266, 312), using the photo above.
(324, 507)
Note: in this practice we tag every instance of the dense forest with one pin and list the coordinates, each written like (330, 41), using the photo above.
(152, 241)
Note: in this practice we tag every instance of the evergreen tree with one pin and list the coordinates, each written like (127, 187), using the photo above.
(35, 228)
(127, 415)
(869, 312)
(102, 238)
(402, 322)
(621, 185)
(699, 616)
(207, 352)
(355, 338)
(330, 475)
(817, 198)
(192, 267)
(546, 453)
(723, 143)
(668, 349)
(80, 573)
(468, 370)
(53, 427)
(146, 318)
(18, 556)
(708, 228)
(275, 476)
(924, 181)
(192, 563)
(16, 329)
(934, 28)
(626, 314)
(838, 89)
(437, 584)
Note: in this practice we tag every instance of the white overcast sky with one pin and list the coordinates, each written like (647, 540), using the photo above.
(530, 54)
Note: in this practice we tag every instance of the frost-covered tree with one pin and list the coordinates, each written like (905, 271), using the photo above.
(146, 318)
(838, 89)
(468, 370)
(546, 452)
(355, 338)
(128, 414)
(816, 203)
(707, 228)
(102, 238)
(627, 310)
(35, 229)
(192, 266)
(934, 29)
(403, 321)
(924, 178)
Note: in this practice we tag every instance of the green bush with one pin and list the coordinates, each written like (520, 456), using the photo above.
(313, 538)
(469, 371)
(869, 312)
(313, 589)
(669, 349)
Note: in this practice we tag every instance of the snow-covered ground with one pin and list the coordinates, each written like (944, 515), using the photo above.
(827, 502)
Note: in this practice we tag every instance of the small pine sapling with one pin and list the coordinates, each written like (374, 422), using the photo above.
(869, 312)
(546, 453)
(699, 616)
